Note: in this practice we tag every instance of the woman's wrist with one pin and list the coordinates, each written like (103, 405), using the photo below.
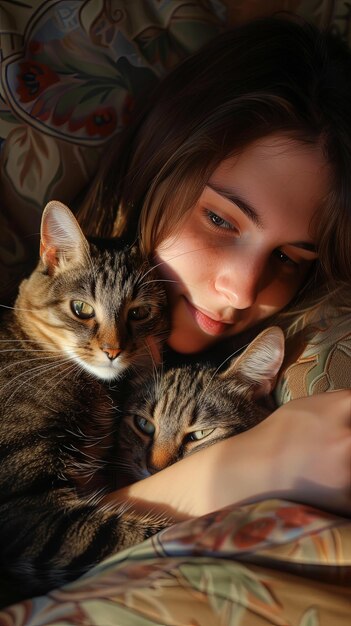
(227, 472)
(302, 452)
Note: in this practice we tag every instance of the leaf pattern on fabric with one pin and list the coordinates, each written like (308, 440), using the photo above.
(31, 161)
(72, 70)
(265, 527)
(321, 358)
(84, 65)
(169, 580)
(310, 618)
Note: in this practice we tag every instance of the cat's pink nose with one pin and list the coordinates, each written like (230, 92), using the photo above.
(111, 353)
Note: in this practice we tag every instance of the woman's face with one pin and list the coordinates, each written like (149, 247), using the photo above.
(245, 248)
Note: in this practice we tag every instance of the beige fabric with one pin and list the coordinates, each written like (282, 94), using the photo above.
(319, 360)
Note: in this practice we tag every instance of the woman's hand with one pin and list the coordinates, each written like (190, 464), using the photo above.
(302, 452)
(310, 442)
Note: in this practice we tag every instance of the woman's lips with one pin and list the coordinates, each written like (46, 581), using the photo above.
(206, 323)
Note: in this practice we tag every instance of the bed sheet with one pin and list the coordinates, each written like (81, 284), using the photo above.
(273, 562)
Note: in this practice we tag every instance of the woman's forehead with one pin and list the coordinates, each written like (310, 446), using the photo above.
(275, 175)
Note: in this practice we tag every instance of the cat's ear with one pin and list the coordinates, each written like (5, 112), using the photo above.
(61, 239)
(257, 367)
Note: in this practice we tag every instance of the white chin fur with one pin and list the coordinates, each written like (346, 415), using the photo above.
(104, 372)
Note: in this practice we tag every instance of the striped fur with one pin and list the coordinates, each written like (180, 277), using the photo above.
(57, 418)
(191, 407)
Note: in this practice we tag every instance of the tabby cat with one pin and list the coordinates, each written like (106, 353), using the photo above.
(87, 313)
(173, 413)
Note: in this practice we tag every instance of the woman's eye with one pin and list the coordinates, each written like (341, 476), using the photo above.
(82, 309)
(144, 425)
(284, 259)
(200, 434)
(218, 221)
(139, 313)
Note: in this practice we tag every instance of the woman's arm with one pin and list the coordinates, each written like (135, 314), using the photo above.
(302, 452)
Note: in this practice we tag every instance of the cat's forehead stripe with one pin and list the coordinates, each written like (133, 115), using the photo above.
(179, 393)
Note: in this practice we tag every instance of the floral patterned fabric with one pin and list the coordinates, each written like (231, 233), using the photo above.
(70, 73)
(318, 359)
(270, 563)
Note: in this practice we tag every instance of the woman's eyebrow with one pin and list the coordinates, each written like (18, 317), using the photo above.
(305, 245)
(242, 204)
(252, 214)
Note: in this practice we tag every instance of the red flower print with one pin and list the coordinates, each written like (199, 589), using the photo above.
(33, 79)
(39, 111)
(296, 516)
(254, 532)
(102, 121)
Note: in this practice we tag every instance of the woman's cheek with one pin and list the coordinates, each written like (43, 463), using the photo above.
(278, 295)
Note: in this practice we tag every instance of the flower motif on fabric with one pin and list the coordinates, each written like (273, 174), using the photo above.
(102, 122)
(85, 63)
(254, 532)
(33, 78)
(298, 516)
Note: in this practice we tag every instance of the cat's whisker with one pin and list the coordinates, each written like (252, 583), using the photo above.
(180, 254)
(91, 458)
(156, 372)
(17, 350)
(160, 263)
(157, 375)
(160, 336)
(128, 468)
(51, 350)
(145, 350)
(135, 359)
(24, 341)
(161, 280)
(35, 371)
(4, 306)
(69, 370)
(16, 364)
(90, 440)
(149, 351)
(228, 358)
(231, 356)
(47, 390)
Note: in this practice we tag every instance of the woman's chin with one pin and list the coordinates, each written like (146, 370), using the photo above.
(190, 343)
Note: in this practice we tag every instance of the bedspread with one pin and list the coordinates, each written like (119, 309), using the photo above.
(274, 562)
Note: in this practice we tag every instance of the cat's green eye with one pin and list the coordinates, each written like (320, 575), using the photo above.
(82, 309)
(144, 425)
(139, 313)
(197, 435)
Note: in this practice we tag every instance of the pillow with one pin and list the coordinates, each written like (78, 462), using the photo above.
(71, 71)
(317, 360)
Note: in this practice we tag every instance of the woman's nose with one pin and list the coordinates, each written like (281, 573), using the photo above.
(240, 284)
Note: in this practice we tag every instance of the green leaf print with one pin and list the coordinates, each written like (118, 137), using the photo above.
(310, 618)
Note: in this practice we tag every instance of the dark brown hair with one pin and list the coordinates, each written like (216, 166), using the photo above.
(273, 75)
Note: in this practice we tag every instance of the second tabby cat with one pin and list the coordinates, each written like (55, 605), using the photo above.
(173, 413)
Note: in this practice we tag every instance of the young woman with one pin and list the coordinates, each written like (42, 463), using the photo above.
(236, 176)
